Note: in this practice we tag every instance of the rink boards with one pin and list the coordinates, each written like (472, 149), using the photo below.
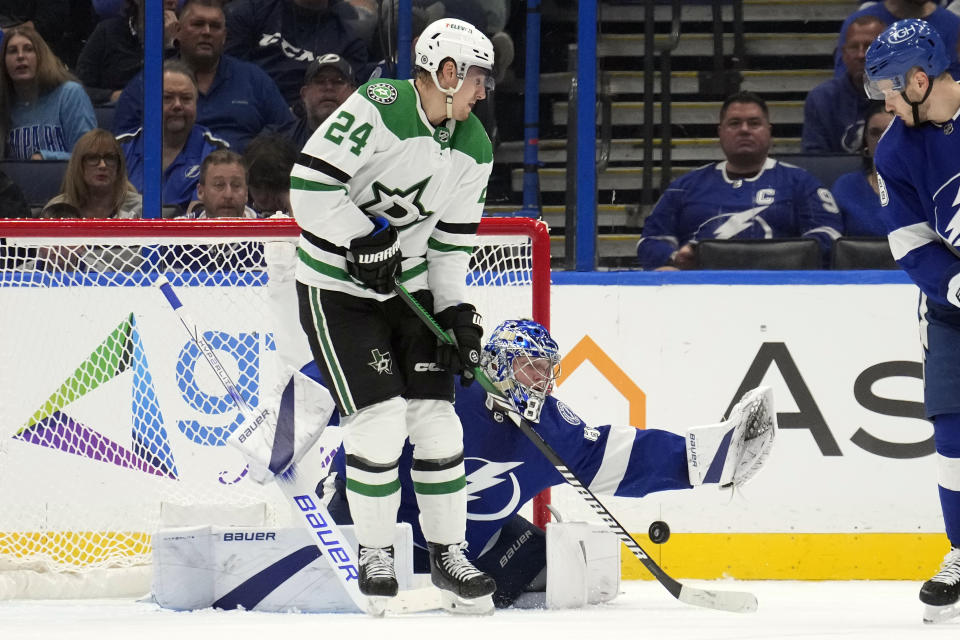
(849, 492)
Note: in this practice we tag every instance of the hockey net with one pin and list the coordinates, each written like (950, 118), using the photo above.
(112, 425)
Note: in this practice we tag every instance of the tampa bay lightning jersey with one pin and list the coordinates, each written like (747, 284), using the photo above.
(504, 469)
(919, 171)
(782, 201)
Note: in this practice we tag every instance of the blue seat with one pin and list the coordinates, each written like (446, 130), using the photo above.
(39, 180)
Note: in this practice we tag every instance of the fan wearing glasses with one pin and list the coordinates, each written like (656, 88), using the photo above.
(96, 179)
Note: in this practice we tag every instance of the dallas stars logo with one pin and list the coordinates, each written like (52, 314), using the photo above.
(400, 206)
(382, 92)
(381, 363)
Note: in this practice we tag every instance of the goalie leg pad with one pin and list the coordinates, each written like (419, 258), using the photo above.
(583, 564)
(732, 452)
(294, 416)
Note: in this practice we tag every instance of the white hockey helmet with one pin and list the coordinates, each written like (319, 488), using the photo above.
(460, 41)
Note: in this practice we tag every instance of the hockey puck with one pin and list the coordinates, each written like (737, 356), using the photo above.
(659, 532)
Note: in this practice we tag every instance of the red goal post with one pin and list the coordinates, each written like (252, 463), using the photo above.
(112, 430)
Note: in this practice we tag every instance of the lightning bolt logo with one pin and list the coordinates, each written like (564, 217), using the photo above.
(737, 222)
(953, 227)
(486, 476)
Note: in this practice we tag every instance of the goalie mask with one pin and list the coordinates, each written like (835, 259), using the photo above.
(523, 361)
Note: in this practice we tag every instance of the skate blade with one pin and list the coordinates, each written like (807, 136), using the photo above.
(377, 605)
(482, 606)
(933, 614)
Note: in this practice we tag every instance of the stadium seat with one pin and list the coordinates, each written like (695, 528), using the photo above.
(825, 167)
(38, 179)
(862, 253)
(104, 115)
(774, 255)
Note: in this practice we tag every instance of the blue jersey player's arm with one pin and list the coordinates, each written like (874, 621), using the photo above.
(616, 460)
(661, 230)
(915, 244)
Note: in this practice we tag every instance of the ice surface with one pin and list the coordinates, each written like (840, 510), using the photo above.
(868, 610)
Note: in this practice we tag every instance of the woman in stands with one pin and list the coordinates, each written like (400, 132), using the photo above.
(44, 110)
(96, 179)
(857, 193)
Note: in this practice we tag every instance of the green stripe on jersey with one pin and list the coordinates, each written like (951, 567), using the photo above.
(310, 185)
(436, 245)
(322, 267)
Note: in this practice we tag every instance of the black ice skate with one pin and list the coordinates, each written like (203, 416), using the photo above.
(942, 592)
(377, 577)
(465, 588)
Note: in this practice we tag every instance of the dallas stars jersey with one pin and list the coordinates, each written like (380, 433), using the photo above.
(919, 170)
(504, 469)
(782, 201)
(378, 155)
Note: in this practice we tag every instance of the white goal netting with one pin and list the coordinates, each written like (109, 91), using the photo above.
(111, 425)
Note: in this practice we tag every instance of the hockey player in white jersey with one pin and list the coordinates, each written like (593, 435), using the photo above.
(918, 170)
(391, 186)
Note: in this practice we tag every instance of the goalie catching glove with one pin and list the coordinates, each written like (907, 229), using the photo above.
(374, 259)
(462, 323)
(732, 452)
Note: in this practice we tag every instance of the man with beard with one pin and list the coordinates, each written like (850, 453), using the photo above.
(918, 164)
(185, 143)
(326, 84)
(748, 195)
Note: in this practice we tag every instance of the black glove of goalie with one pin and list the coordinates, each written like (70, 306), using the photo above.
(375, 258)
(463, 322)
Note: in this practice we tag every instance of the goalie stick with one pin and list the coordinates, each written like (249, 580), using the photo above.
(313, 515)
(737, 601)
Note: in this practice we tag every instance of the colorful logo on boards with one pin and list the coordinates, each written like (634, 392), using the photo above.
(149, 449)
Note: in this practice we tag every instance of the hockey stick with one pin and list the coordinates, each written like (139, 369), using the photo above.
(738, 601)
(313, 515)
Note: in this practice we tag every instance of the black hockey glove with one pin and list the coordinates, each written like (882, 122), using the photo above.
(463, 322)
(375, 258)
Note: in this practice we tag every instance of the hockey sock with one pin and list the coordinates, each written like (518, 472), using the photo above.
(373, 491)
(441, 488)
(946, 433)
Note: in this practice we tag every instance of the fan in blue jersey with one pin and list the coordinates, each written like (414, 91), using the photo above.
(748, 195)
(504, 470)
(918, 167)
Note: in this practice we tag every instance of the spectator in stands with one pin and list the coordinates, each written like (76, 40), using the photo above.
(13, 204)
(857, 193)
(114, 52)
(748, 195)
(96, 179)
(269, 159)
(387, 68)
(185, 143)
(327, 83)
(283, 36)
(44, 111)
(490, 16)
(223, 188)
(834, 110)
(945, 22)
(237, 100)
(50, 18)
